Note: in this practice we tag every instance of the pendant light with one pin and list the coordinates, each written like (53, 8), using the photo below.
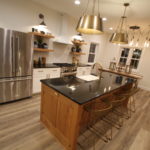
(139, 37)
(120, 36)
(77, 37)
(42, 24)
(90, 24)
(135, 36)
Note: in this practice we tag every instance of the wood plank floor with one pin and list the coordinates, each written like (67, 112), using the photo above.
(21, 129)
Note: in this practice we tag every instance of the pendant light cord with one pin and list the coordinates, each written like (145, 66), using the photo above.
(123, 17)
(86, 9)
(93, 10)
(98, 8)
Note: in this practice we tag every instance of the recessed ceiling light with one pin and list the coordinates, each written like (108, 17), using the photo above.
(110, 28)
(104, 19)
(77, 2)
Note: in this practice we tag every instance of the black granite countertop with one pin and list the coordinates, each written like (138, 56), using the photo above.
(84, 65)
(45, 66)
(81, 91)
(53, 65)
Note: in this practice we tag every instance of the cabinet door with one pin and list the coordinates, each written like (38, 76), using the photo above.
(55, 73)
(65, 116)
(37, 84)
(39, 73)
(49, 104)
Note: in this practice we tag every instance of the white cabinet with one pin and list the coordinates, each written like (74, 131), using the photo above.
(55, 73)
(39, 74)
(83, 71)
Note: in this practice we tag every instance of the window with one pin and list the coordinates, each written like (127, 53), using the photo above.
(130, 56)
(136, 55)
(124, 56)
(92, 52)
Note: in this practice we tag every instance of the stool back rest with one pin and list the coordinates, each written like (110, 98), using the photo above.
(98, 108)
(131, 92)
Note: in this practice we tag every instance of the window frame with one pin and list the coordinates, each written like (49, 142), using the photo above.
(129, 58)
(93, 53)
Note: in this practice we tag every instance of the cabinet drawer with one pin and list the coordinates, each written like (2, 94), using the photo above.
(39, 72)
(55, 73)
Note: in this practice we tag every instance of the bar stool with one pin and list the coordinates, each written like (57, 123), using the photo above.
(120, 106)
(118, 102)
(131, 100)
(97, 111)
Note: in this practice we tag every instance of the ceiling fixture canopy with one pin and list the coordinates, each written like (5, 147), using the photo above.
(90, 24)
(120, 36)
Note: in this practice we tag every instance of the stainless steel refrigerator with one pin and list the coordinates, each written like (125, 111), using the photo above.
(15, 65)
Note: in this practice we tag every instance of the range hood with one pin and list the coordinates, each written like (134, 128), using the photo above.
(63, 33)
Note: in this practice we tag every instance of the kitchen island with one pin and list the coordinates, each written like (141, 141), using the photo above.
(63, 101)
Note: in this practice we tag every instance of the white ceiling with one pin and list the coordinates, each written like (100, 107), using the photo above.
(138, 12)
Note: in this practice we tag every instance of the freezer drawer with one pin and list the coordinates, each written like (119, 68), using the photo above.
(11, 89)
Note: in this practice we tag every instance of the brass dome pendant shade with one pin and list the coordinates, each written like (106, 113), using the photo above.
(90, 24)
(120, 36)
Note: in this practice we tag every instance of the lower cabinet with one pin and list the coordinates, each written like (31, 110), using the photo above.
(37, 84)
(61, 116)
(49, 104)
(46, 73)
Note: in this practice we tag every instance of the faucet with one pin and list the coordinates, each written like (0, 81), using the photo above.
(98, 65)
(98, 68)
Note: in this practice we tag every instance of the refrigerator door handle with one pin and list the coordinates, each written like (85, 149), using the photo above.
(15, 79)
(18, 54)
(13, 54)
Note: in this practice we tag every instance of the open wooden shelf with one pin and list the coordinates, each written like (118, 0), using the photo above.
(78, 53)
(79, 43)
(42, 35)
(43, 50)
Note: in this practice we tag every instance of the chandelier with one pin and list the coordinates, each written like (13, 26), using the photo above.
(139, 37)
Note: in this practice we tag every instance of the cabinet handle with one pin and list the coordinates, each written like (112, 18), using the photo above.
(40, 71)
(56, 94)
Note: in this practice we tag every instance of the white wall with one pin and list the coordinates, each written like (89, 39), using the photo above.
(110, 51)
(144, 69)
(22, 15)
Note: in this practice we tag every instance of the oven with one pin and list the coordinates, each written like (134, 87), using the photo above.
(67, 69)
